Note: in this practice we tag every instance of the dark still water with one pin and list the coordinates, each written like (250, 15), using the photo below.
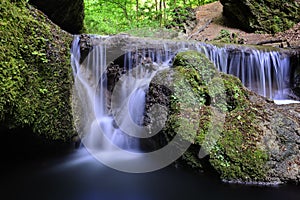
(75, 175)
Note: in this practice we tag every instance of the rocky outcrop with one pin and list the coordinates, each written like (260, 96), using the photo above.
(280, 138)
(240, 135)
(68, 14)
(269, 16)
(36, 77)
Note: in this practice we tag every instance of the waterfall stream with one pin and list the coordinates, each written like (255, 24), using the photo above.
(113, 121)
(266, 73)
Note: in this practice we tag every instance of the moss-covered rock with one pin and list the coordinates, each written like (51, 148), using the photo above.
(35, 72)
(226, 123)
(269, 16)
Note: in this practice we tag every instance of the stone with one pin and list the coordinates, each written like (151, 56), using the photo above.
(295, 79)
(35, 73)
(268, 16)
(68, 14)
(243, 137)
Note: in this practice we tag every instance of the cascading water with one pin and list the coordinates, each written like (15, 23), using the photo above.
(267, 73)
(126, 102)
(112, 118)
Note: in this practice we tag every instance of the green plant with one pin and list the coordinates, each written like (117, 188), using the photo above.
(114, 16)
(226, 37)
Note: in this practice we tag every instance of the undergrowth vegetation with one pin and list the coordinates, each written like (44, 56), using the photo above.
(114, 16)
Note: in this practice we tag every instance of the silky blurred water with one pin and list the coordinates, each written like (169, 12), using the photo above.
(75, 175)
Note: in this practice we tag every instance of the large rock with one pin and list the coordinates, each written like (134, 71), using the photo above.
(268, 16)
(68, 14)
(240, 135)
(35, 72)
(280, 138)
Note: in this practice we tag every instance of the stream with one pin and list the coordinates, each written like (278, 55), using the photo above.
(75, 175)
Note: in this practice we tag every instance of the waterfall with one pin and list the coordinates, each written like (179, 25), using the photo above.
(265, 72)
(126, 107)
(112, 79)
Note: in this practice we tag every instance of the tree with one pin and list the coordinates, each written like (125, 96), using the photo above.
(113, 16)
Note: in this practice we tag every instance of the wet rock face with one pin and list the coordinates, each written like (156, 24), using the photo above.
(280, 127)
(295, 79)
(269, 16)
(68, 14)
(296, 88)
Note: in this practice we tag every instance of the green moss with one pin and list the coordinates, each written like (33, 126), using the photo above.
(264, 16)
(35, 73)
(236, 96)
(212, 111)
(274, 16)
(196, 66)
(237, 155)
(226, 37)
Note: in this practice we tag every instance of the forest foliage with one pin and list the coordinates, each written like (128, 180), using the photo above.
(115, 16)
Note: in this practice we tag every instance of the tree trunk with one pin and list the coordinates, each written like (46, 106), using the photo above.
(137, 9)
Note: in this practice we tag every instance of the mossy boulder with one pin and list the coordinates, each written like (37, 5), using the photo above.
(35, 72)
(226, 124)
(269, 16)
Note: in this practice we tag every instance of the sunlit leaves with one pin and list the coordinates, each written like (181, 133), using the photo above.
(114, 16)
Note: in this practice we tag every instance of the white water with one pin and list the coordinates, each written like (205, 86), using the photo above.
(266, 73)
(127, 100)
(283, 102)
